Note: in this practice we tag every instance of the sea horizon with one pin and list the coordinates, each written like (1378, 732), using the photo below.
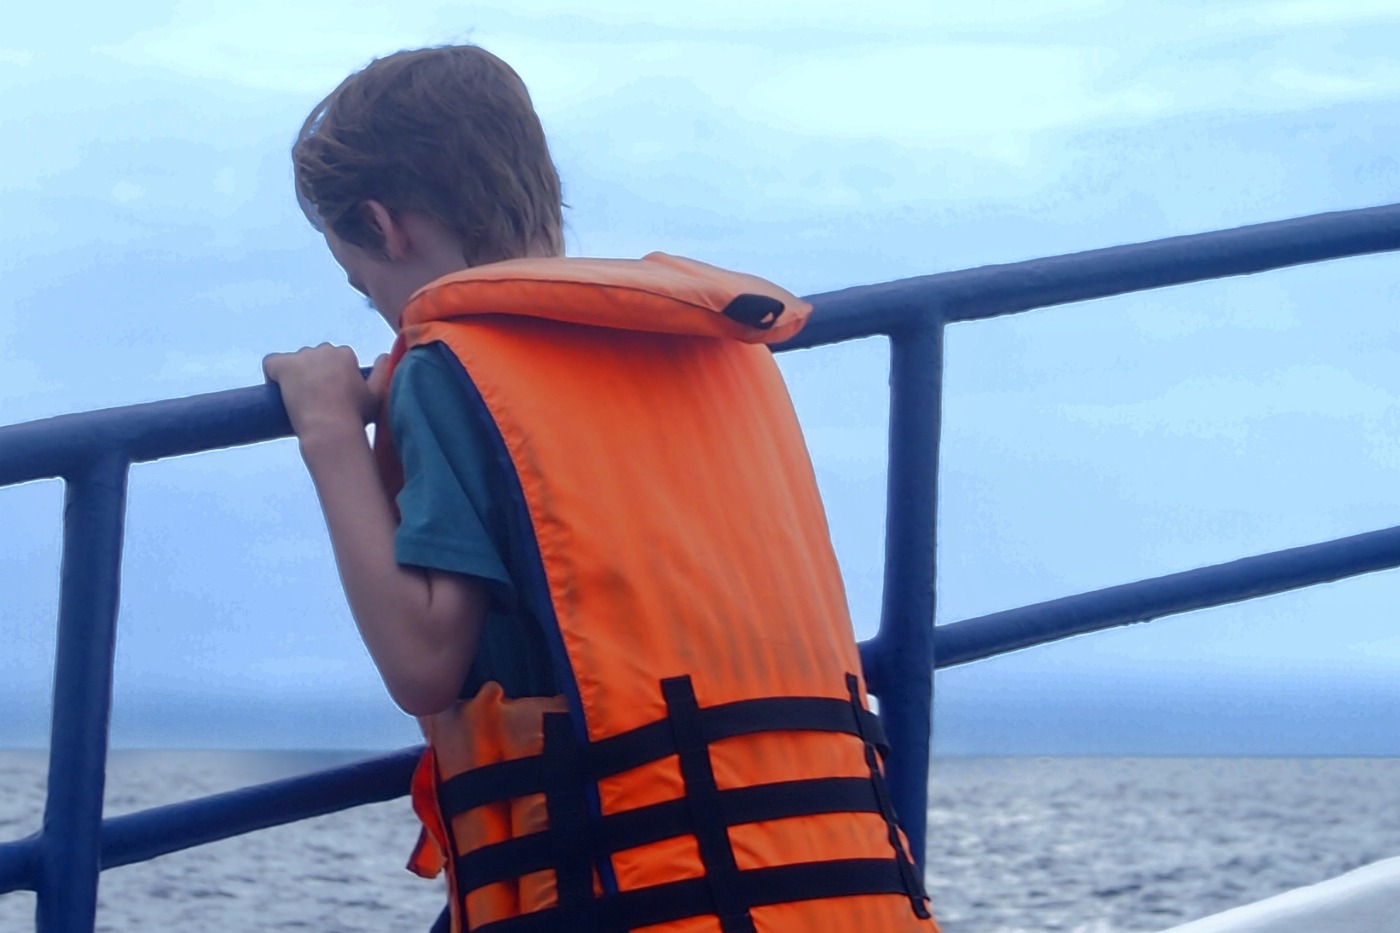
(1089, 844)
(351, 753)
(979, 711)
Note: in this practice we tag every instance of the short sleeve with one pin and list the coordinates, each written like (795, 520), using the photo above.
(448, 520)
(454, 515)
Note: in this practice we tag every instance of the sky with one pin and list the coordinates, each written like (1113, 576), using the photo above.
(152, 248)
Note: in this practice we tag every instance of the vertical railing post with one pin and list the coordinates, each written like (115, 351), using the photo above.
(903, 651)
(70, 856)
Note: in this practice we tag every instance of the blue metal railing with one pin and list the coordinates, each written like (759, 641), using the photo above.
(93, 452)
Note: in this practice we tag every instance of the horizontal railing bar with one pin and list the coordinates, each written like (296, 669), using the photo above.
(56, 446)
(1144, 600)
(978, 294)
(53, 446)
(138, 837)
(19, 864)
(992, 291)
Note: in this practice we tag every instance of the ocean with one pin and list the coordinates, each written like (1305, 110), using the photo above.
(1016, 845)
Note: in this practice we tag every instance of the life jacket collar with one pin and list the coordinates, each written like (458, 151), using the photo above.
(658, 293)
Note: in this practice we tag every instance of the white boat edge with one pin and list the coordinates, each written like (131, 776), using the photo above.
(1366, 900)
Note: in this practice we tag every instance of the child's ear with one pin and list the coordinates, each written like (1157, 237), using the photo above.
(391, 232)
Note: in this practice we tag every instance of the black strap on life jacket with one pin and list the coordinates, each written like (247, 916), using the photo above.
(654, 741)
(574, 841)
(568, 834)
(702, 799)
(913, 881)
(632, 828)
(677, 900)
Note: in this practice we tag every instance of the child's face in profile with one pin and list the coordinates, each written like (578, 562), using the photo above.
(363, 276)
(417, 251)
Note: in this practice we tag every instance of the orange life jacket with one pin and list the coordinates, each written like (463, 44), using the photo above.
(710, 765)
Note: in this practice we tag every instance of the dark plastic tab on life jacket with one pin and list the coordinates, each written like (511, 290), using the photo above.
(760, 311)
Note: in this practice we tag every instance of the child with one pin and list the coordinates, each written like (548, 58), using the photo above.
(601, 576)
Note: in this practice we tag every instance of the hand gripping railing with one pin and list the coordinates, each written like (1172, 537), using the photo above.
(92, 452)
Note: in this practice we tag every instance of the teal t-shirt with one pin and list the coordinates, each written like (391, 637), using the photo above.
(454, 514)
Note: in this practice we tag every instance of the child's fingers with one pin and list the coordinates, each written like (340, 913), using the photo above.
(379, 376)
(276, 366)
(377, 387)
(272, 366)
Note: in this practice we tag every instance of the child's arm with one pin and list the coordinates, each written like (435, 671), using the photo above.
(420, 626)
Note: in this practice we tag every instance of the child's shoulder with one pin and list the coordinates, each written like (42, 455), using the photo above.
(426, 376)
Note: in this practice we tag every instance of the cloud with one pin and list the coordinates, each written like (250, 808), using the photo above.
(232, 367)
(297, 49)
(15, 57)
(1258, 304)
(295, 668)
(1378, 649)
(1303, 13)
(1225, 407)
(895, 91)
(23, 388)
(247, 294)
(983, 80)
(856, 452)
(124, 192)
(1379, 79)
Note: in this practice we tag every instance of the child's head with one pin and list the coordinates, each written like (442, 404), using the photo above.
(448, 133)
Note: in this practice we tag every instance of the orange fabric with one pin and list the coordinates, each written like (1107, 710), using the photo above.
(681, 532)
(430, 854)
(614, 293)
(484, 730)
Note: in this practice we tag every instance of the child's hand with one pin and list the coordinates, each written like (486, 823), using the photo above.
(378, 383)
(322, 388)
